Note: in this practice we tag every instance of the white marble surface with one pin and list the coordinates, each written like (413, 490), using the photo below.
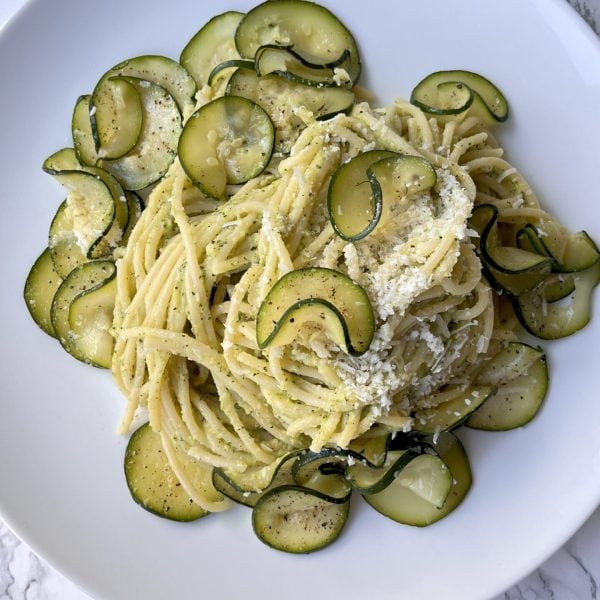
(572, 573)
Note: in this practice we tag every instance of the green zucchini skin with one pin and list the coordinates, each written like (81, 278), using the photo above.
(151, 481)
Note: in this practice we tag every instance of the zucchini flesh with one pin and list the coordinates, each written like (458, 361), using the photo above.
(353, 209)
(520, 373)
(285, 100)
(227, 141)
(324, 472)
(210, 46)
(63, 244)
(400, 503)
(428, 477)
(116, 117)
(162, 71)
(81, 130)
(313, 31)
(298, 520)
(76, 338)
(40, 287)
(285, 62)
(316, 295)
(555, 320)
(152, 482)
(454, 411)
(488, 102)
(156, 149)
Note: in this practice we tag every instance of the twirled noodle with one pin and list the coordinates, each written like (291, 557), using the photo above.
(195, 272)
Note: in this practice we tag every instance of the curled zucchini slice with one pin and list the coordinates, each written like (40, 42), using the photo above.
(458, 405)
(81, 130)
(313, 31)
(152, 482)
(408, 501)
(40, 287)
(520, 374)
(116, 117)
(227, 141)
(444, 93)
(321, 297)
(82, 311)
(299, 520)
(324, 472)
(360, 188)
(553, 320)
(213, 44)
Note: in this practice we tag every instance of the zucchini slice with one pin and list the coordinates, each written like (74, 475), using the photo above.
(82, 325)
(63, 243)
(116, 117)
(160, 70)
(324, 472)
(553, 320)
(156, 148)
(520, 373)
(400, 502)
(211, 46)
(324, 297)
(285, 62)
(299, 520)
(454, 411)
(285, 100)
(231, 66)
(488, 102)
(313, 31)
(81, 130)
(152, 482)
(227, 141)
(40, 287)
(353, 209)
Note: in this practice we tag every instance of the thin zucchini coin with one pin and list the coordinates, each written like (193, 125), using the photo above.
(156, 148)
(84, 331)
(63, 243)
(400, 502)
(520, 373)
(212, 45)
(313, 31)
(40, 287)
(322, 297)
(81, 130)
(282, 99)
(227, 141)
(454, 411)
(555, 320)
(152, 482)
(324, 472)
(298, 520)
(353, 209)
(488, 102)
(116, 117)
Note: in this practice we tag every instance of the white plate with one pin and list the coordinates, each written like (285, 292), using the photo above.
(61, 481)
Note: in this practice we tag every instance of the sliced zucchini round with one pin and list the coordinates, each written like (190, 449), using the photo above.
(40, 287)
(282, 99)
(454, 411)
(82, 325)
(212, 45)
(227, 141)
(353, 209)
(400, 502)
(324, 297)
(156, 148)
(81, 130)
(116, 117)
(555, 320)
(152, 482)
(324, 472)
(63, 243)
(231, 66)
(314, 32)
(487, 102)
(298, 520)
(520, 374)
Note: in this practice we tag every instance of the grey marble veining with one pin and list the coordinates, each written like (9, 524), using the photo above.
(572, 573)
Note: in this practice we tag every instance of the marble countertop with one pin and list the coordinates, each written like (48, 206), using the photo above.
(572, 573)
